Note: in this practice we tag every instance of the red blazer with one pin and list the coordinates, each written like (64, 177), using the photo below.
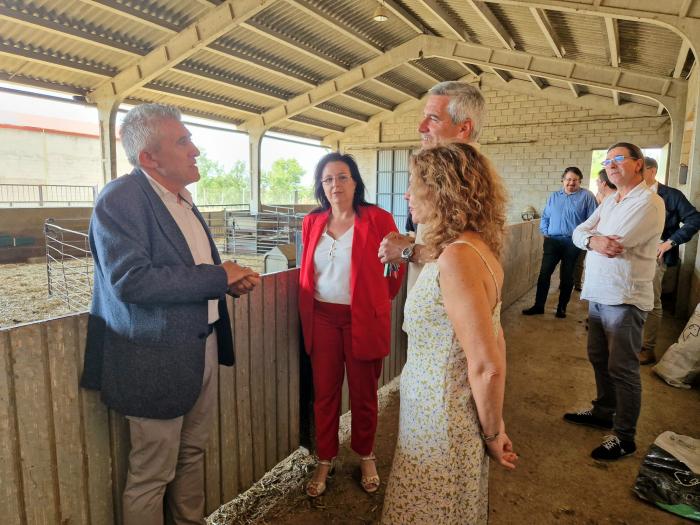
(370, 292)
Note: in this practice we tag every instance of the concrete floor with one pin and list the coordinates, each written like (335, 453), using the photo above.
(556, 480)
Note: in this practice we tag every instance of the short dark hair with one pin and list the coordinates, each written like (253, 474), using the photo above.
(335, 156)
(650, 163)
(603, 175)
(574, 170)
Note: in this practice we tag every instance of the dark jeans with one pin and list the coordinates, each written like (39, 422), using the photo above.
(614, 341)
(557, 249)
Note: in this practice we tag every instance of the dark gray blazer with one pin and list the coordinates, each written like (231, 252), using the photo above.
(678, 211)
(149, 318)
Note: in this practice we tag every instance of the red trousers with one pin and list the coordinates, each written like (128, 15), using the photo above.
(331, 355)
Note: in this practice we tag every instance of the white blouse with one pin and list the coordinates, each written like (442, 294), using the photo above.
(332, 268)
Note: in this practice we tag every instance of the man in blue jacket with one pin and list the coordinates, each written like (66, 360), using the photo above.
(158, 324)
(678, 211)
(565, 209)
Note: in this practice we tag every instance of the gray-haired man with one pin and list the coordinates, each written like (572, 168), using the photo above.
(453, 111)
(158, 325)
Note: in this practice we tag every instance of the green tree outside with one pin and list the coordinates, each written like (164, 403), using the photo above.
(282, 184)
(218, 186)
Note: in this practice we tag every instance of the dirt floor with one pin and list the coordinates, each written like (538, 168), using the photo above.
(24, 293)
(556, 481)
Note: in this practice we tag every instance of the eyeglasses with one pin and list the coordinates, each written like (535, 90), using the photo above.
(340, 179)
(618, 159)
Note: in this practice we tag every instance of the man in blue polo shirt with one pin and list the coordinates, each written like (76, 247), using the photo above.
(565, 209)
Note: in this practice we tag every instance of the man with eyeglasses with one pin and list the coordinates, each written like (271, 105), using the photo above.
(565, 209)
(621, 236)
(678, 211)
(453, 111)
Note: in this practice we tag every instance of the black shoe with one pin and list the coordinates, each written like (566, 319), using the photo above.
(534, 310)
(613, 448)
(561, 313)
(586, 417)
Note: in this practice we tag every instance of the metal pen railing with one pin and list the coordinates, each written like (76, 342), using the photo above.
(69, 265)
(25, 195)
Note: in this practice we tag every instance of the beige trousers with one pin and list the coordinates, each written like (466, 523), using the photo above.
(169, 454)
(651, 326)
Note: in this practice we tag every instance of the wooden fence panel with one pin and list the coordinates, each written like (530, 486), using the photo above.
(282, 365)
(11, 482)
(228, 424)
(35, 424)
(62, 346)
(294, 347)
(96, 435)
(242, 346)
(269, 376)
(257, 380)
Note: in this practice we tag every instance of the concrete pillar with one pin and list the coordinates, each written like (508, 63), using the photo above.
(689, 275)
(107, 115)
(254, 144)
(677, 115)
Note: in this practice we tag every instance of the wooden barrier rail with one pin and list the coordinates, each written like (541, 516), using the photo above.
(63, 455)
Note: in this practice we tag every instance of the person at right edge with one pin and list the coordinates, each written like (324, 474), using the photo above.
(678, 211)
(621, 237)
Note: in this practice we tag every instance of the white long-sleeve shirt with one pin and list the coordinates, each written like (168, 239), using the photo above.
(638, 219)
(180, 207)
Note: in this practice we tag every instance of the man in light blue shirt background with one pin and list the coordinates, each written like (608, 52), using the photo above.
(565, 209)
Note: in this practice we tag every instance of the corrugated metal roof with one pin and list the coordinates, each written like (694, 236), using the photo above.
(290, 47)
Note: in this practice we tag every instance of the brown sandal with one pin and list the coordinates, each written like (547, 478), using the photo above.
(315, 488)
(370, 484)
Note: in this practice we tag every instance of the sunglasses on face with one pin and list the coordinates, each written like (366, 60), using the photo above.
(617, 159)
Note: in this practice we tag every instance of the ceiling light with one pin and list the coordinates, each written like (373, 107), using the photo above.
(381, 14)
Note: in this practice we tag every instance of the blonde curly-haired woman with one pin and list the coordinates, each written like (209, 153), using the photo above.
(453, 383)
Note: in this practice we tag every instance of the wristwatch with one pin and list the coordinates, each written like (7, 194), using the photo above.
(673, 243)
(407, 252)
(587, 242)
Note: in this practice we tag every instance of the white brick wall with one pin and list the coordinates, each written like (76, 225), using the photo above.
(530, 141)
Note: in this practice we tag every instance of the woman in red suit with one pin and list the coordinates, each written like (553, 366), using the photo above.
(345, 310)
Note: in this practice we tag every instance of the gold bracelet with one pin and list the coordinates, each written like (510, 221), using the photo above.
(490, 437)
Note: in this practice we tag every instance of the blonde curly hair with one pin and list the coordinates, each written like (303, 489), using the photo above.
(466, 194)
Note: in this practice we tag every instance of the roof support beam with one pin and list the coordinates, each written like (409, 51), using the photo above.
(606, 77)
(681, 25)
(680, 61)
(503, 75)
(493, 23)
(537, 81)
(201, 33)
(454, 26)
(542, 20)
(616, 97)
(613, 41)
(404, 15)
(575, 89)
(685, 7)
(344, 82)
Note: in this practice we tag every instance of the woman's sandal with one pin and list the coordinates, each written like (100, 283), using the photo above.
(370, 484)
(315, 488)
